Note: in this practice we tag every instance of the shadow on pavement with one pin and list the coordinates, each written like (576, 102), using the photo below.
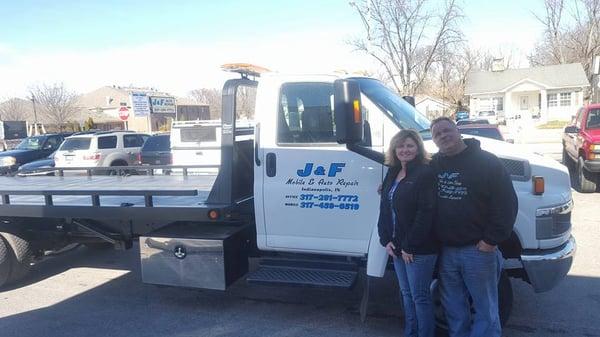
(125, 306)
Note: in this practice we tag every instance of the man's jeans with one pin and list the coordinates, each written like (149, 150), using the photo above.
(468, 271)
(415, 280)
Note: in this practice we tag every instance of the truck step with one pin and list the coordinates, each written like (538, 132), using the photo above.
(305, 273)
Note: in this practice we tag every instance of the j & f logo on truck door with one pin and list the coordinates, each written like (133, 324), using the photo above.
(334, 168)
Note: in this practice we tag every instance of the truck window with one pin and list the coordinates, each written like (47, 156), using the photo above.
(593, 119)
(132, 141)
(198, 134)
(108, 142)
(306, 113)
(52, 143)
(77, 143)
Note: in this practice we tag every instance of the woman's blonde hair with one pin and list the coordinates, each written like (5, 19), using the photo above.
(399, 138)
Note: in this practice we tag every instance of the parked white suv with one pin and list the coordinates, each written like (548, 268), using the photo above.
(100, 149)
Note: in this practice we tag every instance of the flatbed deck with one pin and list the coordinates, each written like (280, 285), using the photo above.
(118, 197)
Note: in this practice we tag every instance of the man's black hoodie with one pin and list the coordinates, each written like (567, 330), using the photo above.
(476, 199)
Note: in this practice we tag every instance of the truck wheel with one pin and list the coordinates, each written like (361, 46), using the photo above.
(565, 158)
(586, 181)
(21, 256)
(5, 266)
(505, 300)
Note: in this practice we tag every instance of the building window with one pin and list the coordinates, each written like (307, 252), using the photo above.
(552, 100)
(565, 99)
(498, 103)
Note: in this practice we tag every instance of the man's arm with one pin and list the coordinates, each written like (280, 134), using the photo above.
(503, 205)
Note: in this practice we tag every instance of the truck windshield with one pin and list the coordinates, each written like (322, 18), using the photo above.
(593, 120)
(401, 112)
(31, 143)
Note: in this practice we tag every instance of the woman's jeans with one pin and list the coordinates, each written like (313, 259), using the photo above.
(415, 280)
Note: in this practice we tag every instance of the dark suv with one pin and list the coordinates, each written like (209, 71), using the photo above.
(30, 149)
(156, 151)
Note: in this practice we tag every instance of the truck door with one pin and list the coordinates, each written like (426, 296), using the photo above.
(317, 196)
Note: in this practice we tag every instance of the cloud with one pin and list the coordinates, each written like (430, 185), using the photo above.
(175, 67)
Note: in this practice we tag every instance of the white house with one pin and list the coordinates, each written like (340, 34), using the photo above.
(430, 106)
(550, 92)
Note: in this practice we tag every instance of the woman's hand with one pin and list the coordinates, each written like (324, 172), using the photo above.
(379, 189)
(408, 258)
(389, 248)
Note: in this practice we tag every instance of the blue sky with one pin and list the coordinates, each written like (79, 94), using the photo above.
(177, 46)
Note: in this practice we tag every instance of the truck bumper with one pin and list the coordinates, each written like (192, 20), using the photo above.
(8, 170)
(546, 268)
(592, 165)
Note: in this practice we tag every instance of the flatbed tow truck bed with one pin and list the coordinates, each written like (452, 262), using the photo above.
(108, 197)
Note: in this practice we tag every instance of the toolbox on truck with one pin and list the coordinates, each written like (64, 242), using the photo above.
(195, 255)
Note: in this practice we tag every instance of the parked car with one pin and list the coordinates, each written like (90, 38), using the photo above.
(30, 149)
(490, 115)
(33, 168)
(472, 121)
(101, 149)
(581, 146)
(156, 150)
(460, 115)
(483, 130)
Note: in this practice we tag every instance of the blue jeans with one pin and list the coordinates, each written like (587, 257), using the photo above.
(415, 280)
(468, 271)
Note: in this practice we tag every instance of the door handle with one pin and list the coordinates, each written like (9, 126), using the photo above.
(271, 164)
(256, 143)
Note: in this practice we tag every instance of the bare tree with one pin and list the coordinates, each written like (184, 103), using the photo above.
(553, 32)
(450, 74)
(245, 101)
(406, 36)
(15, 109)
(55, 103)
(569, 41)
(210, 97)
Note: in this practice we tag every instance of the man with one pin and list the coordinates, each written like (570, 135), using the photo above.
(476, 210)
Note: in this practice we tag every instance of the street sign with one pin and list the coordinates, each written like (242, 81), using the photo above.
(123, 113)
(163, 104)
(140, 103)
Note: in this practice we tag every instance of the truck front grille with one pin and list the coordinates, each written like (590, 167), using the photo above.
(518, 169)
(553, 222)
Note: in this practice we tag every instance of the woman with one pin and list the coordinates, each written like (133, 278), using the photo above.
(405, 227)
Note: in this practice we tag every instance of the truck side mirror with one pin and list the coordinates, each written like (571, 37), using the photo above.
(349, 120)
(571, 129)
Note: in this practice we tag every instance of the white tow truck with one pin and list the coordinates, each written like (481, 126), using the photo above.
(301, 196)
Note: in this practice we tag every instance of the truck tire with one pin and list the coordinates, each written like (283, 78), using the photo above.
(20, 254)
(5, 265)
(565, 158)
(586, 180)
(505, 300)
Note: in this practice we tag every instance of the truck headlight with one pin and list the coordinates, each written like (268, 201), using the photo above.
(595, 147)
(7, 161)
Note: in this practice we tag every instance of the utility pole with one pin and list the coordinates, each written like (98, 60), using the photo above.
(35, 121)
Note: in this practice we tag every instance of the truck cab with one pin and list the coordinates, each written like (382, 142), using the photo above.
(313, 195)
(581, 147)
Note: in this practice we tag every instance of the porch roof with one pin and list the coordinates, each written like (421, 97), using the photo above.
(550, 77)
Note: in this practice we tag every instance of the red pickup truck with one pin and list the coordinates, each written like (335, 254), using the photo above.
(581, 145)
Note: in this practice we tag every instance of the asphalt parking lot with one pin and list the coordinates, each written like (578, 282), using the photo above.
(99, 293)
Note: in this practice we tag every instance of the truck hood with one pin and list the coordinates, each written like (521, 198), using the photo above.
(15, 153)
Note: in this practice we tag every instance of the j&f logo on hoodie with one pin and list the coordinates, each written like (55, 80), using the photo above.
(450, 186)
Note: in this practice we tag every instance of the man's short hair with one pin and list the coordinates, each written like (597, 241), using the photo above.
(441, 119)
